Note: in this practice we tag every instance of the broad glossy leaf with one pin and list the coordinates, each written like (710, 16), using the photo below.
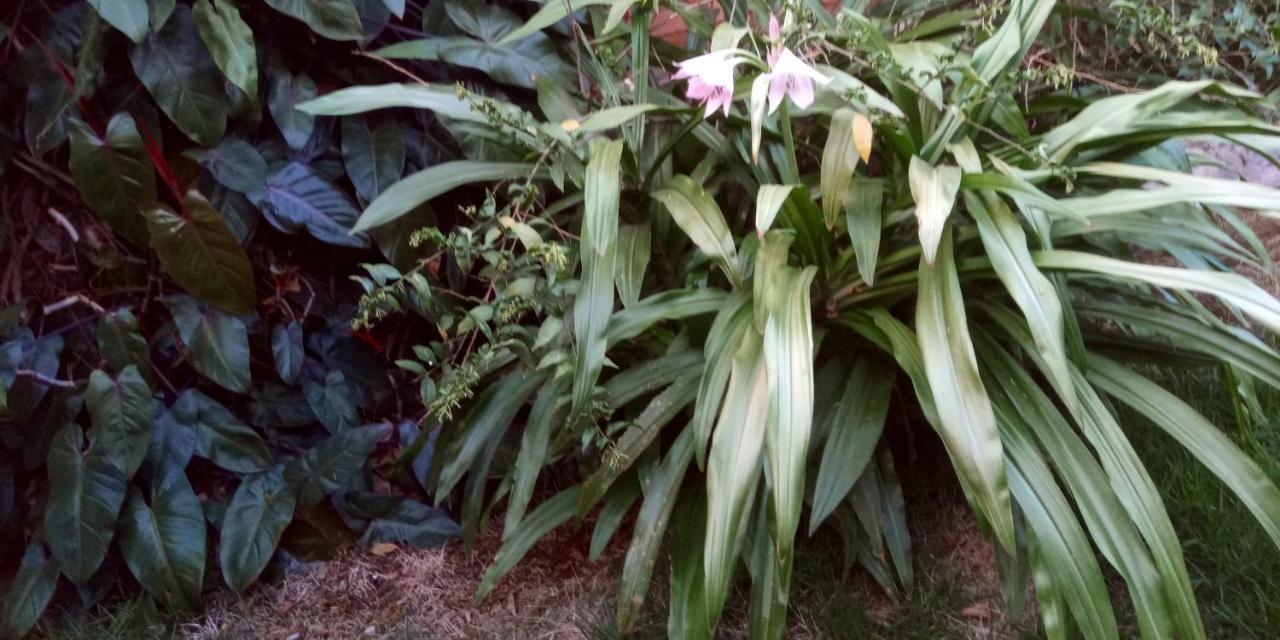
(862, 215)
(632, 259)
(543, 520)
(183, 78)
(331, 465)
(120, 343)
(594, 303)
(701, 219)
(965, 418)
(122, 411)
(287, 92)
(404, 196)
(517, 62)
(839, 159)
(855, 432)
(298, 198)
(333, 401)
(85, 494)
(230, 41)
(218, 342)
(374, 157)
(164, 542)
(256, 518)
(113, 174)
(29, 593)
(333, 19)
(48, 109)
(405, 521)
(201, 254)
(236, 165)
(129, 16)
(934, 191)
(733, 468)
(219, 436)
(286, 349)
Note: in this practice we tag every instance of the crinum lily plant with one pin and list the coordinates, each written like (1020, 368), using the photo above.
(697, 313)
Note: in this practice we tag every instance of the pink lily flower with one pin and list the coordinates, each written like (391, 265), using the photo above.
(710, 79)
(789, 75)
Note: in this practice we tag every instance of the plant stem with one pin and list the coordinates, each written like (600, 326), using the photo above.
(790, 172)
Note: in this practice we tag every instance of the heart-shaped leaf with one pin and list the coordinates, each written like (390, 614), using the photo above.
(237, 165)
(374, 157)
(230, 41)
(333, 19)
(218, 342)
(220, 436)
(286, 348)
(287, 92)
(164, 542)
(85, 494)
(29, 593)
(122, 411)
(175, 67)
(113, 174)
(129, 16)
(333, 402)
(120, 343)
(330, 465)
(297, 198)
(256, 518)
(202, 254)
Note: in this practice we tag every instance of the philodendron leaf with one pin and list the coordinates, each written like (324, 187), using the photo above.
(113, 174)
(183, 78)
(218, 342)
(330, 465)
(29, 593)
(297, 198)
(333, 402)
(333, 19)
(286, 349)
(594, 303)
(120, 343)
(122, 411)
(516, 63)
(701, 219)
(85, 494)
(287, 92)
(374, 157)
(236, 165)
(230, 41)
(966, 420)
(164, 542)
(129, 16)
(839, 159)
(219, 436)
(256, 518)
(934, 191)
(202, 254)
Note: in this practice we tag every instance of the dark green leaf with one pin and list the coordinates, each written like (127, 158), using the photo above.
(517, 63)
(85, 494)
(230, 41)
(287, 91)
(256, 518)
(129, 16)
(859, 420)
(29, 593)
(217, 341)
(333, 402)
(330, 465)
(286, 348)
(296, 197)
(220, 436)
(237, 165)
(202, 254)
(374, 157)
(543, 520)
(333, 19)
(120, 344)
(113, 174)
(412, 523)
(164, 543)
(122, 411)
(406, 195)
(183, 79)
(862, 213)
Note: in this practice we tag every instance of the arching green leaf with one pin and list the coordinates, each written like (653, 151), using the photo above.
(164, 542)
(259, 511)
(113, 174)
(122, 411)
(85, 494)
(202, 254)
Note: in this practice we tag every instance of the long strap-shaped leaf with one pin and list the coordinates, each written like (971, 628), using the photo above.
(404, 196)
(722, 343)
(965, 419)
(734, 466)
(788, 353)
(594, 302)
(543, 520)
(701, 219)
(856, 429)
(1200, 437)
(1230, 287)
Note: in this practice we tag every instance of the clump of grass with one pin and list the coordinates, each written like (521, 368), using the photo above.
(1233, 564)
(135, 619)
